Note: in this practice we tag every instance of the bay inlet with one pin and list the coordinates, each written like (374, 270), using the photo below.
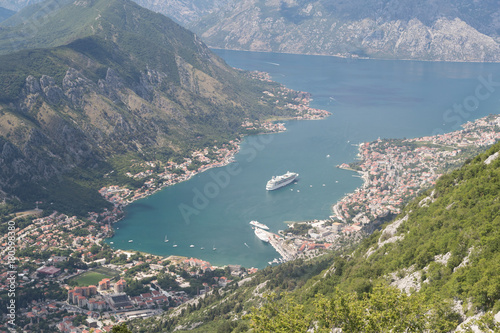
(368, 99)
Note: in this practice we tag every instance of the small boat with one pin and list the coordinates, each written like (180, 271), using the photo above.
(175, 245)
(111, 243)
(166, 238)
(130, 241)
(324, 185)
(247, 245)
(327, 156)
(214, 248)
(298, 190)
(191, 245)
(202, 248)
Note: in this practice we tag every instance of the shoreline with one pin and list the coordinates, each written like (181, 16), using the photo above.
(269, 126)
(397, 170)
(422, 144)
(355, 57)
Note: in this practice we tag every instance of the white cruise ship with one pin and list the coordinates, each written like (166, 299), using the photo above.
(280, 181)
(262, 234)
(259, 225)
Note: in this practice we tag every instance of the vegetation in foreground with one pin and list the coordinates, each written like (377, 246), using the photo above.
(438, 265)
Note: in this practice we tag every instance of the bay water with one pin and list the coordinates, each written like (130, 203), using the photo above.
(368, 99)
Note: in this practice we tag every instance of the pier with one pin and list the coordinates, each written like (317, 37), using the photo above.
(279, 245)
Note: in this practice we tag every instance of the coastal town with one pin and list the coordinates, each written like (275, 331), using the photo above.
(394, 171)
(84, 284)
(81, 283)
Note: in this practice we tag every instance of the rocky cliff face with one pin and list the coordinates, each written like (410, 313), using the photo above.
(463, 31)
(185, 11)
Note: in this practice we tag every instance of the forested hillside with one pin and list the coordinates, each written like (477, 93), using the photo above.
(434, 267)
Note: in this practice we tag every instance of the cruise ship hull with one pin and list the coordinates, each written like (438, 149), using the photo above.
(262, 235)
(280, 181)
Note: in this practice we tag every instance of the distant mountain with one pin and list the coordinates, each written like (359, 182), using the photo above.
(100, 81)
(465, 30)
(444, 30)
(181, 11)
(185, 11)
(16, 5)
(5, 13)
(438, 264)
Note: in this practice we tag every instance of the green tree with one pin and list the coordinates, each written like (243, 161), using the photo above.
(275, 317)
(122, 328)
(385, 309)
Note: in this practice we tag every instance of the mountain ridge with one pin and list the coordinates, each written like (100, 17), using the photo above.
(392, 30)
(122, 80)
(441, 30)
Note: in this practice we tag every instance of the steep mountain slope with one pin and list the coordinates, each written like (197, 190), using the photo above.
(115, 79)
(466, 30)
(442, 253)
(5, 13)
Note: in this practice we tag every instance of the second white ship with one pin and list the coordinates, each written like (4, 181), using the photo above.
(280, 181)
(259, 225)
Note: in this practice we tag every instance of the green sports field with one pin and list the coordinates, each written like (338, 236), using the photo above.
(94, 276)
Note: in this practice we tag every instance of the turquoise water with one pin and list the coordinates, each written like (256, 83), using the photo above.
(368, 99)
